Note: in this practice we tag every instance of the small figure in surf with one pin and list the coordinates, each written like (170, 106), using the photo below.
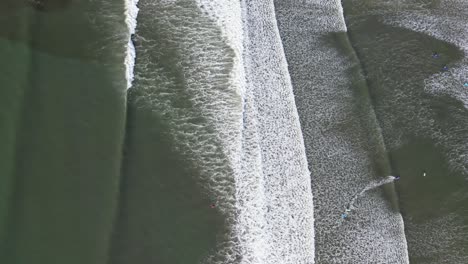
(372, 185)
(424, 173)
(345, 215)
(212, 206)
(445, 68)
(435, 55)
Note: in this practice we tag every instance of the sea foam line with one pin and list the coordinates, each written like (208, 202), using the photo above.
(273, 221)
(131, 13)
(283, 211)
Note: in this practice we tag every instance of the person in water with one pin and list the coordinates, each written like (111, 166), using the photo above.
(397, 178)
(445, 68)
(435, 55)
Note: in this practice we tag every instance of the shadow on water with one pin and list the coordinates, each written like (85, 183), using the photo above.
(165, 217)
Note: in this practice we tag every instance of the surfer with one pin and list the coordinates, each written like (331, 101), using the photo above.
(372, 185)
(435, 55)
(445, 68)
(212, 205)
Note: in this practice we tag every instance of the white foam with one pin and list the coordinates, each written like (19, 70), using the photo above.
(280, 221)
(131, 13)
(274, 219)
(194, 95)
(237, 121)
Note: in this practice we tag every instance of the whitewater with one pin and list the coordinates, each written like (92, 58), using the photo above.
(272, 119)
(241, 129)
(274, 217)
(131, 13)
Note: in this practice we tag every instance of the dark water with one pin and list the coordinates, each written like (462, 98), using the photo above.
(421, 131)
(62, 121)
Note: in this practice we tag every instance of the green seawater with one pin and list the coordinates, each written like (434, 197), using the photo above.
(62, 109)
(164, 215)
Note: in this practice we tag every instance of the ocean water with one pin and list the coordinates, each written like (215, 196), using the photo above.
(201, 131)
(173, 152)
(199, 100)
(62, 125)
(423, 113)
